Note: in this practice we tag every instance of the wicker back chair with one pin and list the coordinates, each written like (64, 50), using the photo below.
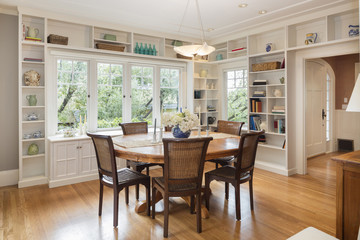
(184, 165)
(241, 173)
(136, 128)
(113, 178)
(228, 127)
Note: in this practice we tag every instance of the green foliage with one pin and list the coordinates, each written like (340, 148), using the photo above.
(237, 105)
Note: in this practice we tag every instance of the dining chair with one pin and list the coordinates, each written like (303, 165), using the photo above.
(111, 177)
(240, 173)
(228, 127)
(183, 171)
(135, 128)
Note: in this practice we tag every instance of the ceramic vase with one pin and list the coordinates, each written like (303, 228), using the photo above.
(177, 133)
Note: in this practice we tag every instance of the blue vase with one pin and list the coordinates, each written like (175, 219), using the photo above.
(177, 133)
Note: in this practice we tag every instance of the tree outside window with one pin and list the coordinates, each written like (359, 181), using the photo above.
(110, 87)
(237, 95)
(169, 89)
(142, 94)
(72, 77)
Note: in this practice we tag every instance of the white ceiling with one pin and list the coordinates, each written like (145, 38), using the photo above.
(165, 15)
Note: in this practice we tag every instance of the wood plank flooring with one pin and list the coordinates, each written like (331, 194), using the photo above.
(283, 207)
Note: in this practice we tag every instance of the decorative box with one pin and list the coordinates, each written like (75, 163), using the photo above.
(56, 39)
(110, 37)
(265, 66)
(111, 47)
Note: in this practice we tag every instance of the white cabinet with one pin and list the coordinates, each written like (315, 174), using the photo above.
(71, 161)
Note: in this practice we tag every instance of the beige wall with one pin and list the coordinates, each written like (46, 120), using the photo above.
(344, 69)
(9, 156)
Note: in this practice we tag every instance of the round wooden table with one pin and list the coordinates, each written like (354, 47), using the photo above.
(138, 147)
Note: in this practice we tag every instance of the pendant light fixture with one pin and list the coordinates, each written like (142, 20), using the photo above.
(194, 50)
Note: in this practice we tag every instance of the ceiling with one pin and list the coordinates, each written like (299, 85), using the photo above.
(165, 15)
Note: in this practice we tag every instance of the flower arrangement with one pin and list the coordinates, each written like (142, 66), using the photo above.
(185, 120)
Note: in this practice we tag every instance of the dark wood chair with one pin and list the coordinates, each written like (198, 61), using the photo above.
(135, 128)
(183, 171)
(228, 127)
(241, 173)
(116, 179)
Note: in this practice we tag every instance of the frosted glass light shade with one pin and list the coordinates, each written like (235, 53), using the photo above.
(192, 50)
(354, 103)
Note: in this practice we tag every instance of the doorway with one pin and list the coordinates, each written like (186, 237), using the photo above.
(319, 79)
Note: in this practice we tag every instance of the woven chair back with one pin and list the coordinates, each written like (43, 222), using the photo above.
(229, 127)
(105, 155)
(134, 128)
(247, 152)
(184, 160)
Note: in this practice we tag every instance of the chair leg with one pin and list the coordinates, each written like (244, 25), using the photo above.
(216, 165)
(153, 203)
(251, 195)
(166, 215)
(198, 212)
(137, 191)
(101, 198)
(147, 171)
(116, 208)
(127, 195)
(237, 201)
(192, 204)
(148, 199)
(226, 190)
(207, 192)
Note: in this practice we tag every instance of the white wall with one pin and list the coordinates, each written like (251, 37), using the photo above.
(347, 126)
(9, 155)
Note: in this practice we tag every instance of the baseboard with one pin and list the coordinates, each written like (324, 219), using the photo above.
(9, 177)
(274, 168)
(73, 180)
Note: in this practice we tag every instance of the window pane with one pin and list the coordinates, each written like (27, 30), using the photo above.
(230, 75)
(109, 95)
(169, 96)
(71, 94)
(237, 96)
(64, 65)
(141, 94)
(231, 83)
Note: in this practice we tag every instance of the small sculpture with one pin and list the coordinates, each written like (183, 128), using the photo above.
(32, 78)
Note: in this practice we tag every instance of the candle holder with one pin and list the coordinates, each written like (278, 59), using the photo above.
(207, 132)
(199, 131)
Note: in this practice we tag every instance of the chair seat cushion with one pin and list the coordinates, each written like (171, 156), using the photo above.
(227, 172)
(223, 159)
(126, 176)
(175, 187)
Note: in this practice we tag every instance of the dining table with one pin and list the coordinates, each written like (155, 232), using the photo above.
(147, 147)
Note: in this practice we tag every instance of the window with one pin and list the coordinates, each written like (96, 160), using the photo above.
(169, 89)
(237, 103)
(141, 94)
(72, 77)
(109, 94)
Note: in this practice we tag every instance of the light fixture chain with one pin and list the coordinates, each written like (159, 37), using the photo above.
(182, 20)
(199, 17)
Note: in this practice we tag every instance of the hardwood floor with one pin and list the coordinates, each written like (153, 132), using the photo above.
(283, 207)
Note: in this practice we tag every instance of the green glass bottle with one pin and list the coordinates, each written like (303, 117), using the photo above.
(142, 50)
(146, 49)
(150, 50)
(154, 50)
(137, 48)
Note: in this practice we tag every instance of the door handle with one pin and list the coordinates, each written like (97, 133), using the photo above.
(323, 114)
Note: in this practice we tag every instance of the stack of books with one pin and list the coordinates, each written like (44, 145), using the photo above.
(33, 39)
(259, 93)
(278, 110)
(33, 59)
(262, 139)
(279, 126)
(260, 82)
(255, 122)
(256, 105)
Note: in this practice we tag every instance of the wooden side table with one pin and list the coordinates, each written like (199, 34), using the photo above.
(347, 195)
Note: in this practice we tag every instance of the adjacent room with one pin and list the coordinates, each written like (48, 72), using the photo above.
(178, 119)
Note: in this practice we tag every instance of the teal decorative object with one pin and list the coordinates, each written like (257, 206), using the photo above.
(137, 48)
(154, 50)
(142, 50)
(33, 149)
(110, 37)
(150, 50)
(146, 51)
(32, 100)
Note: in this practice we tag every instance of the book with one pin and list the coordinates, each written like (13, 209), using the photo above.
(279, 107)
(33, 59)
(238, 49)
(255, 105)
(33, 39)
(284, 144)
(258, 106)
(259, 83)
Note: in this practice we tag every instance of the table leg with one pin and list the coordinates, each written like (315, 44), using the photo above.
(141, 205)
(204, 211)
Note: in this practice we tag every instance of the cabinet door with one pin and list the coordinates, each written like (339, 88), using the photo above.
(65, 159)
(87, 157)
